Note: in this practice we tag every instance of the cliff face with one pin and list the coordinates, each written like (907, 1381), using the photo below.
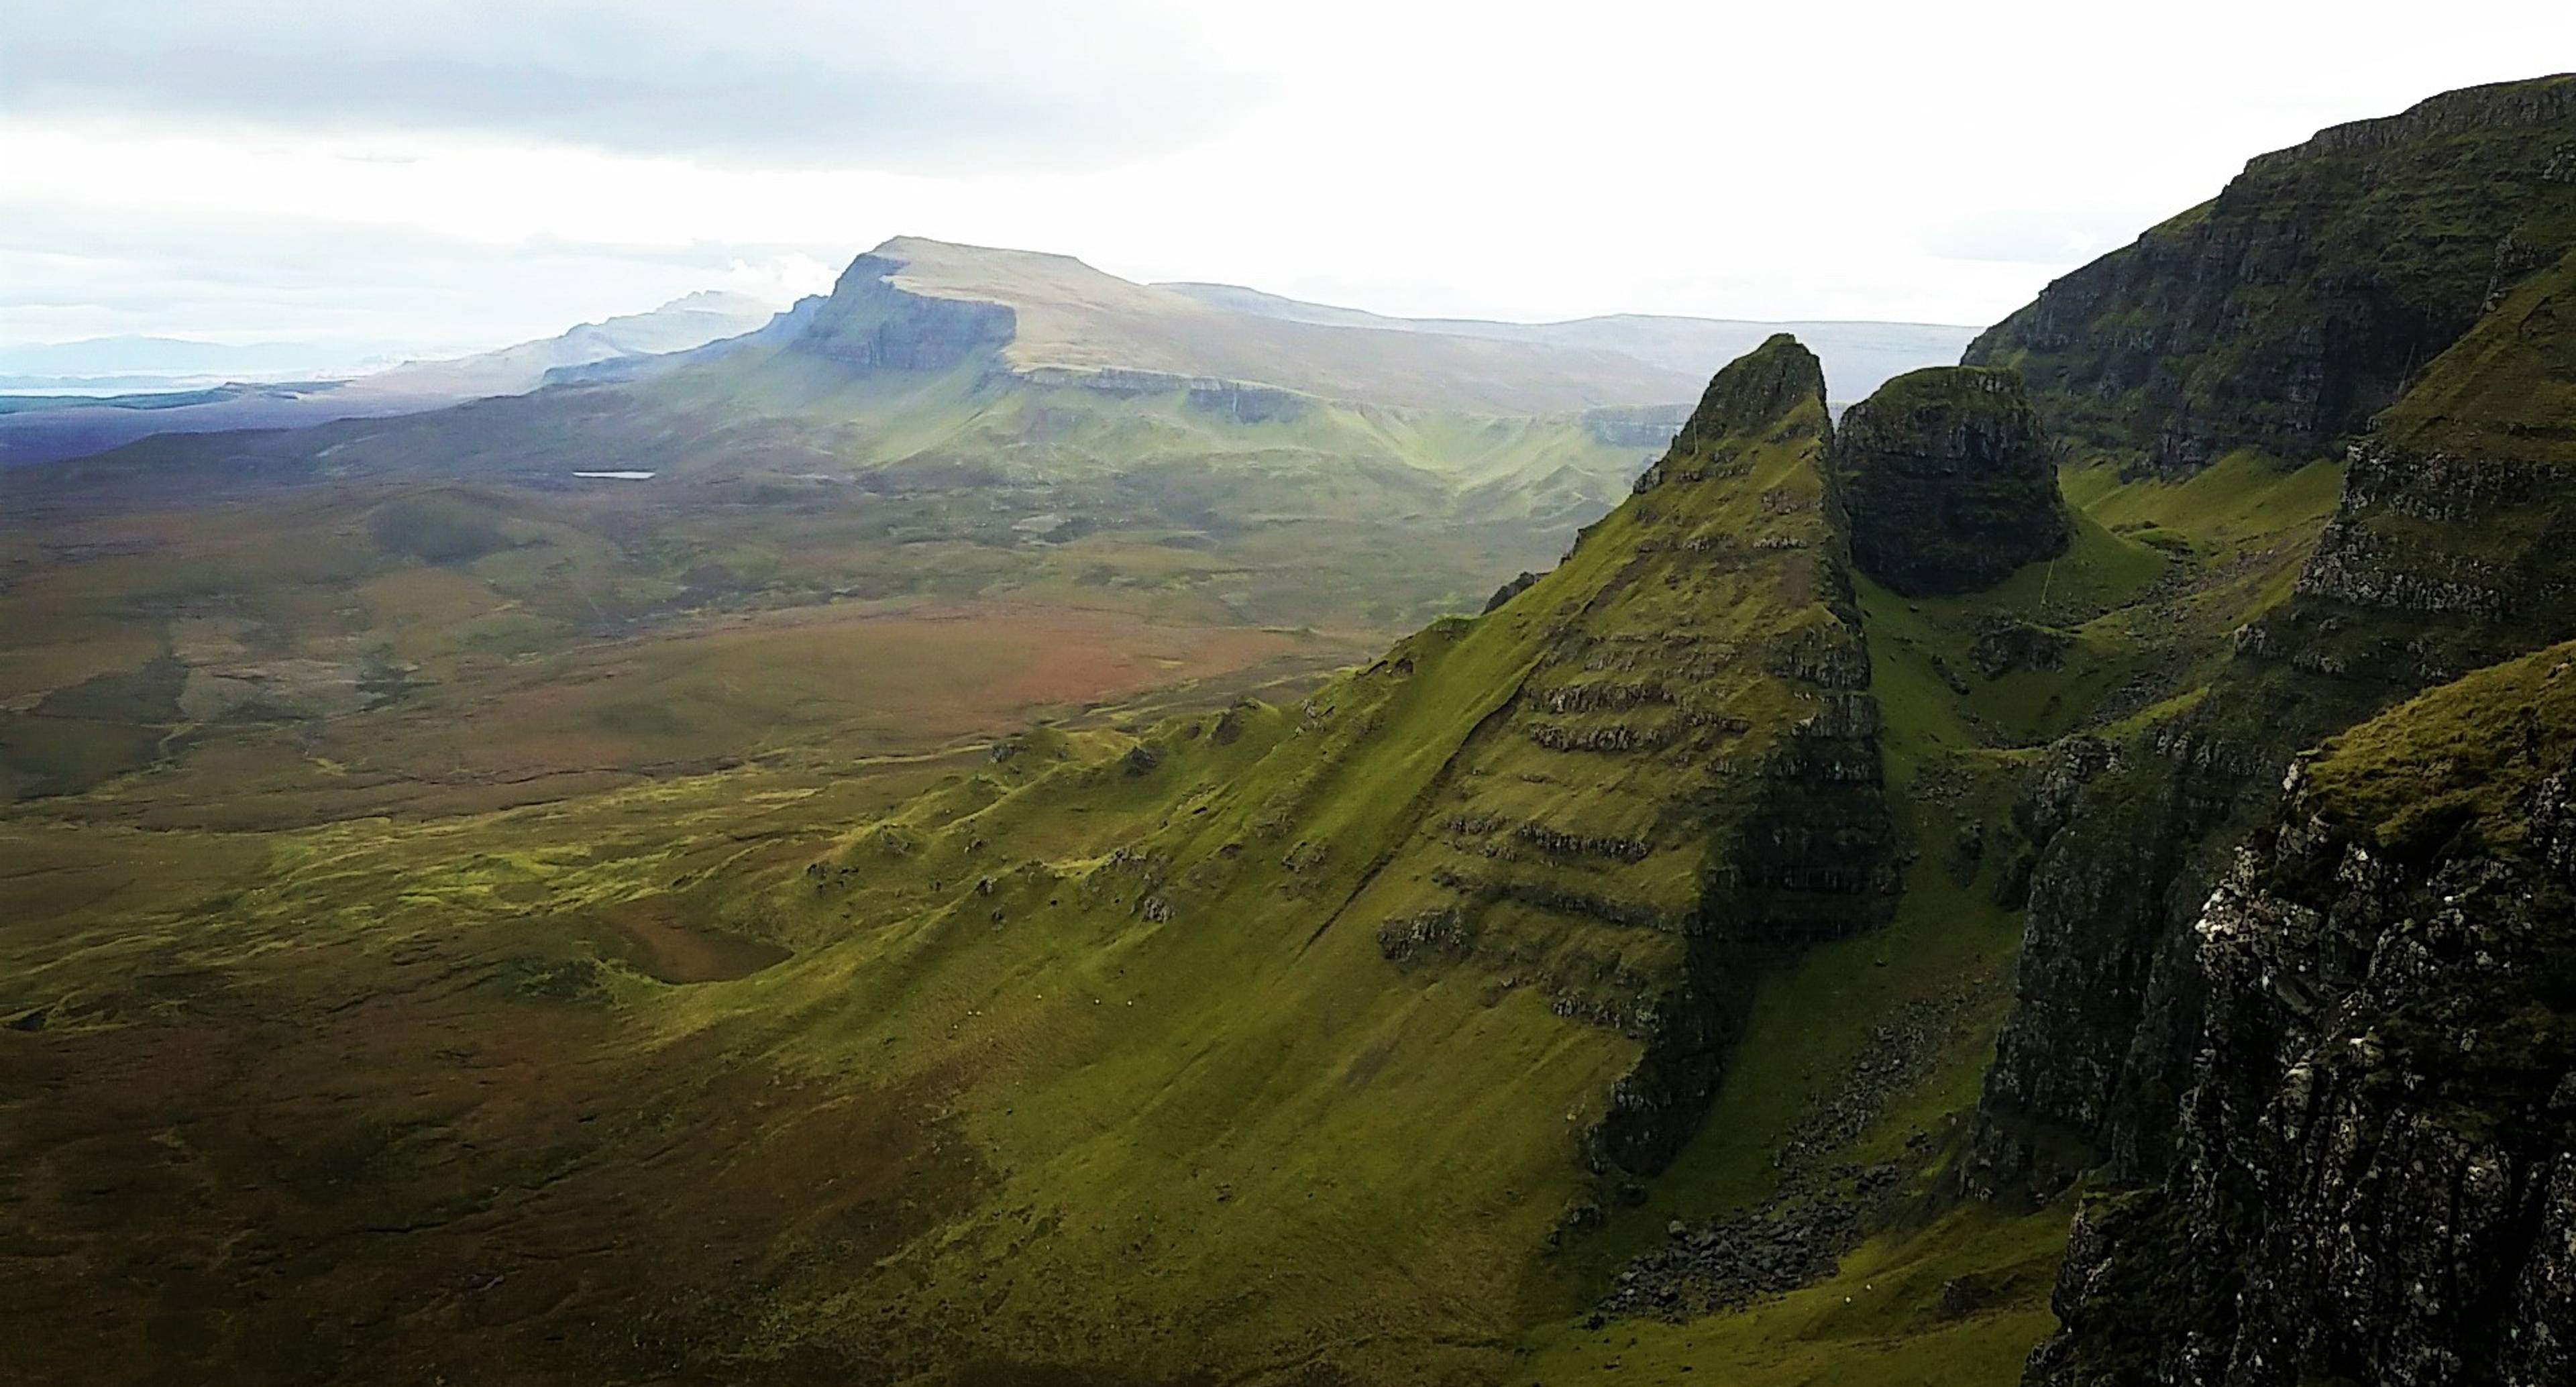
(2375, 1173)
(2313, 1043)
(1950, 481)
(2453, 546)
(2310, 293)
(2434, 564)
(870, 323)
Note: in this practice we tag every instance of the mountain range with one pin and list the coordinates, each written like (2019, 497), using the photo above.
(1858, 356)
(996, 835)
(41, 428)
(1069, 321)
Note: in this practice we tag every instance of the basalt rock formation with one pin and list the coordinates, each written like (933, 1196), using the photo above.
(872, 323)
(2375, 1159)
(1950, 481)
(2314, 1038)
(2311, 292)
(2453, 547)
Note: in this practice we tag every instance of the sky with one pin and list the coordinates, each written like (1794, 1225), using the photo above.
(449, 175)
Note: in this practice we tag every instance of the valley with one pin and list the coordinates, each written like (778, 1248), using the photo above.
(1006, 834)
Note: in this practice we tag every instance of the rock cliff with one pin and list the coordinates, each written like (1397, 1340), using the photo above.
(2266, 1018)
(2375, 1172)
(2453, 546)
(1950, 481)
(872, 323)
(2309, 294)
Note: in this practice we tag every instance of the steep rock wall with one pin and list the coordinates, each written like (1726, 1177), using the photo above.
(2375, 1156)
(870, 323)
(1950, 481)
(2312, 291)
(2434, 564)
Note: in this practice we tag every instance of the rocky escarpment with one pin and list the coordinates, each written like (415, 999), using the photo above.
(2433, 565)
(872, 323)
(2312, 291)
(1949, 480)
(2452, 547)
(2375, 1157)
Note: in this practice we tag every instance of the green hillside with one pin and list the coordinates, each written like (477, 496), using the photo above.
(2060, 878)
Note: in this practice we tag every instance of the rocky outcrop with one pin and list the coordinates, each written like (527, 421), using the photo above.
(2453, 547)
(2375, 1156)
(2309, 293)
(1756, 391)
(1235, 400)
(1949, 480)
(872, 323)
(2433, 565)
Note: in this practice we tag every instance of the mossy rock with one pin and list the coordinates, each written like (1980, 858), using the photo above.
(1950, 482)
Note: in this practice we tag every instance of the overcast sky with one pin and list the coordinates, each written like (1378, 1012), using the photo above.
(453, 174)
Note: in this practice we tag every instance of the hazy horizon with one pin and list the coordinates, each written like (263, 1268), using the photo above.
(468, 174)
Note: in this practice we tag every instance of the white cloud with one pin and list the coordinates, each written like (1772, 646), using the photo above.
(476, 172)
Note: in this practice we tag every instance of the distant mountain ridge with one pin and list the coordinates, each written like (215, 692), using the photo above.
(143, 362)
(1859, 356)
(71, 429)
(915, 303)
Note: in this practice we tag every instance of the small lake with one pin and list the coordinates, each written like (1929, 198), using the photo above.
(617, 476)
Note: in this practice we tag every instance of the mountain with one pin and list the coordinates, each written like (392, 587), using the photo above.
(2308, 295)
(1858, 356)
(70, 426)
(142, 363)
(1949, 893)
(692, 320)
(2194, 932)
(919, 302)
(995, 407)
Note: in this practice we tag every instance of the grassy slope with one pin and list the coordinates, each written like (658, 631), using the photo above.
(1236, 1135)
(2507, 389)
(1217, 1175)
(1807, 1025)
(2464, 755)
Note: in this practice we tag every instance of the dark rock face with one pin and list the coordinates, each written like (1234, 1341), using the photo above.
(2433, 566)
(1511, 589)
(2004, 646)
(2305, 297)
(1762, 386)
(1949, 480)
(869, 322)
(2375, 1174)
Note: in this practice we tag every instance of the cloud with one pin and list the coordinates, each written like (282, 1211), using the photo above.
(243, 280)
(489, 169)
(987, 83)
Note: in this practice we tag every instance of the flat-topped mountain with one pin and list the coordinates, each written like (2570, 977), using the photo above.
(926, 304)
